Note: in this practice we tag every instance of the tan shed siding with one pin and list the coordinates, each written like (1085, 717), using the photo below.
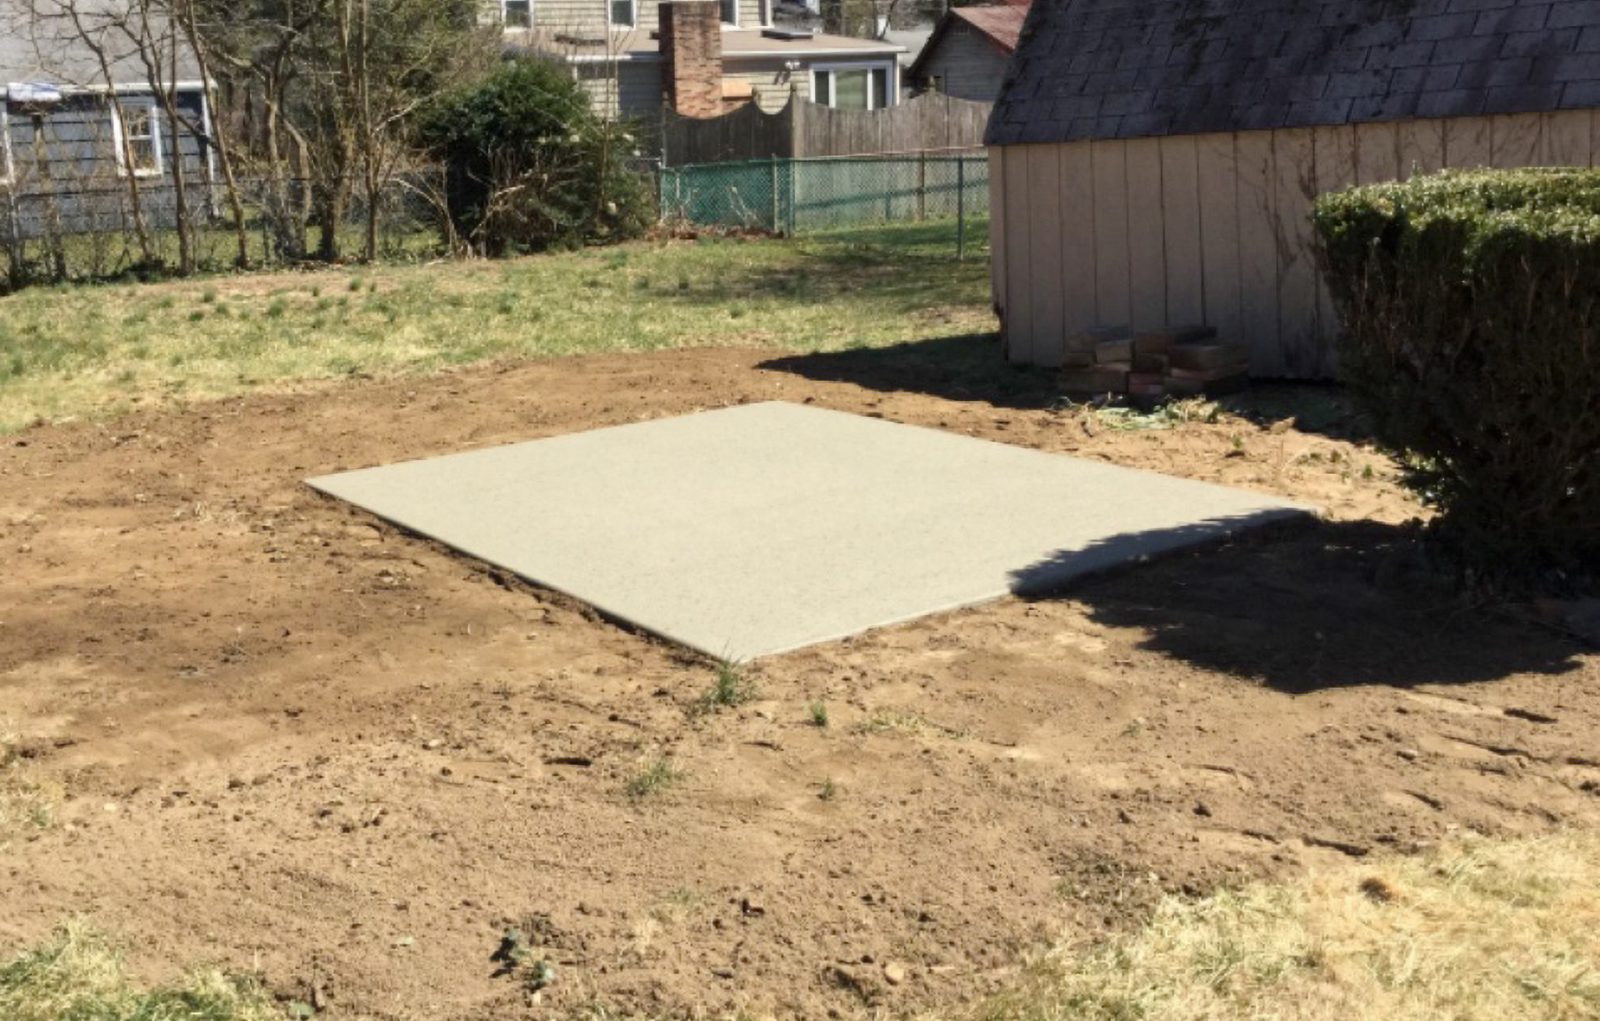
(1216, 227)
(1219, 232)
(1044, 252)
(1146, 255)
(967, 64)
(1079, 264)
(1106, 205)
(1180, 207)
(1022, 288)
(1258, 252)
(997, 228)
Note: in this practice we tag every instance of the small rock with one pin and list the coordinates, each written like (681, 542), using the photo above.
(1123, 816)
(1202, 809)
(751, 907)
(894, 973)
(1409, 754)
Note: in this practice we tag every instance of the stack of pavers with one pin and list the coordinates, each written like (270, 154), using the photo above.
(1175, 361)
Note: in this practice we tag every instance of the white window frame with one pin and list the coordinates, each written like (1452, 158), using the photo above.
(8, 169)
(735, 22)
(764, 12)
(506, 23)
(633, 23)
(891, 92)
(119, 139)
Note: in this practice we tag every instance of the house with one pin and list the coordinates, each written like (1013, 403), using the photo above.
(703, 57)
(81, 124)
(1154, 164)
(969, 51)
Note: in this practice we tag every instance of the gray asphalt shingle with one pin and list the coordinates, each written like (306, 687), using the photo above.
(50, 49)
(1123, 69)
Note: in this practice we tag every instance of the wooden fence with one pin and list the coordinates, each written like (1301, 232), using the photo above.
(802, 129)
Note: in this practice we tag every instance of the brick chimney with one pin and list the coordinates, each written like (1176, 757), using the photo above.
(691, 52)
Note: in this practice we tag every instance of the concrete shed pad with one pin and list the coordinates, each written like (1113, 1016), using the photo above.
(762, 528)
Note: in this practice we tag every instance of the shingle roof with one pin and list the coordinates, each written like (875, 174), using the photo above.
(1129, 68)
(49, 49)
(1002, 23)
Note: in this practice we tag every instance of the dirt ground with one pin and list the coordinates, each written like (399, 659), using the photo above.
(297, 741)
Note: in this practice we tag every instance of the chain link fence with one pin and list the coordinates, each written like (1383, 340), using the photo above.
(795, 196)
(97, 230)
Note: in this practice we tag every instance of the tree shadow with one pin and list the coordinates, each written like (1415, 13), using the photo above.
(1308, 606)
(906, 267)
(970, 367)
(1324, 408)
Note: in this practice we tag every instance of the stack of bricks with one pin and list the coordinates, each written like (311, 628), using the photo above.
(1175, 361)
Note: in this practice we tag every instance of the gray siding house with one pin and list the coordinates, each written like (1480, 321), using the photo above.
(84, 136)
(967, 55)
(1154, 164)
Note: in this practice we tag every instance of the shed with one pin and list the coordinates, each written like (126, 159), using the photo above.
(1154, 164)
(967, 55)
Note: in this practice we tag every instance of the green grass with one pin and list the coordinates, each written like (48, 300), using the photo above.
(78, 975)
(731, 688)
(93, 350)
(652, 778)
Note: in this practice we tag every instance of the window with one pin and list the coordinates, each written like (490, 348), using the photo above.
(852, 88)
(517, 13)
(730, 12)
(136, 132)
(624, 13)
(764, 12)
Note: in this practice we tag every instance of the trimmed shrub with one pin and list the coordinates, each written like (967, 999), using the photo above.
(1470, 303)
(530, 166)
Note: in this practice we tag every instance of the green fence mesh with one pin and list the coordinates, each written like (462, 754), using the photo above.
(793, 196)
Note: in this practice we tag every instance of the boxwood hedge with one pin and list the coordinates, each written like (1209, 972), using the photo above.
(1470, 306)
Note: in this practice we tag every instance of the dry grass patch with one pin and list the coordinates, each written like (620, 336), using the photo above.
(27, 804)
(80, 976)
(1485, 931)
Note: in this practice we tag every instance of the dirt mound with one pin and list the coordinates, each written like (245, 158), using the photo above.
(292, 738)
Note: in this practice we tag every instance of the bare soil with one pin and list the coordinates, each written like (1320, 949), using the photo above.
(298, 741)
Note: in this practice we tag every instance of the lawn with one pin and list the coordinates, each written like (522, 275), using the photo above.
(77, 351)
(343, 769)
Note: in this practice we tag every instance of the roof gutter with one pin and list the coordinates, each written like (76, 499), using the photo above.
(125, 88)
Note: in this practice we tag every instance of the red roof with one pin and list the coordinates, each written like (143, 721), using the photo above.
(1002, 22)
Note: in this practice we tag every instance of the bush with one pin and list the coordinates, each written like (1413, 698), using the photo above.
(1471, 338)
(529, 166)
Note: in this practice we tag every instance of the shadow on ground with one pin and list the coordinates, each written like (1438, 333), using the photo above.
(1309, 606)
(1313, 407)
(963, 368)
(972, 367)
